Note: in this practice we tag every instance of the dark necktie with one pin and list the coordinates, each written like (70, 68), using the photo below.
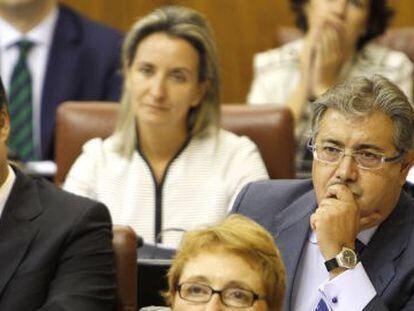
(359, 247)
(20, 97)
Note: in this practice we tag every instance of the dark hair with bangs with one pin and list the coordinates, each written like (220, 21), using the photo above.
(378, 20)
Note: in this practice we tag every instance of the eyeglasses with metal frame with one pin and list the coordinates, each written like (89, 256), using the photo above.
(365, 159)
(230, 297)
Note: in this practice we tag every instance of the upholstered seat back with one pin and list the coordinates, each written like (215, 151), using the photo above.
(269, 127)
(124, 243)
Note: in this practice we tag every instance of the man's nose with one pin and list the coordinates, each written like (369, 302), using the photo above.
(347, 170)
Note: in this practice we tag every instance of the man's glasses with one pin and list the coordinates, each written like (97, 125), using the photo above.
(365, 159)
(230, 297)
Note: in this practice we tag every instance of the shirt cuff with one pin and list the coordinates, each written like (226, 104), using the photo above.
(351, 290)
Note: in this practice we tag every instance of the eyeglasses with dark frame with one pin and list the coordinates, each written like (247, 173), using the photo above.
(365, 159)
(230, 297)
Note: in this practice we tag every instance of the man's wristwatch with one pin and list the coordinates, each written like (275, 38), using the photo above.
(347, 259)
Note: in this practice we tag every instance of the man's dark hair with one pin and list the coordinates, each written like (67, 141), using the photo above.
(379, 17)
(3, 97)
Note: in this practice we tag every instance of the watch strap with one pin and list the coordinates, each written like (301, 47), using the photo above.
(331, 264)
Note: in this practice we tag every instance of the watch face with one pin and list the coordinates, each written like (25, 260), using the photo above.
(348, 258)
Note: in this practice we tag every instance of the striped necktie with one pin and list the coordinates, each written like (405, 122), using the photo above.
(20, 106)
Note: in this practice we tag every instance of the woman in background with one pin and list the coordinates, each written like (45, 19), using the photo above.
(233, 265)
(168, 165)
(337, 45)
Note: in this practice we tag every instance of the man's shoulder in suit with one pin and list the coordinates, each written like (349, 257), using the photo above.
(92, 32)
(264, 192)
(64, 240)
(263, 200)
(53, 200)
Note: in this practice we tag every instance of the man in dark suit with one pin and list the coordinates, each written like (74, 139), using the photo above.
(362, 143)
(71, 58)
(55, 247)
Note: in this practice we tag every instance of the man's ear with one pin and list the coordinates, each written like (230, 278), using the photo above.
(4, 124)
(406, 164)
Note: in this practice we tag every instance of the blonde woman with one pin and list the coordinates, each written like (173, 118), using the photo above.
(168, 165)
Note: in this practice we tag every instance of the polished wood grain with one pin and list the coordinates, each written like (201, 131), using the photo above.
(242, 28)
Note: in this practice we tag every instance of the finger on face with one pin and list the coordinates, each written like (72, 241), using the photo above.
(334, 41)
(340, 192)
(336, 213)
(327, 211)
(324, 19)
(330, 43)
(312, 39)
(313, 222)
(308, 49)
(323, 47)
(335, 23)
(327, 49)
(332, 207)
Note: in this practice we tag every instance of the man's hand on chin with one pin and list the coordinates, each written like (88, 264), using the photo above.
(336, 223)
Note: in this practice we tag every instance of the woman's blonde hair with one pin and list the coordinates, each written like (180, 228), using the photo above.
(243, 237)
(191, 26)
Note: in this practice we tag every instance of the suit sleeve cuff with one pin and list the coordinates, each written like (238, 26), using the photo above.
(351, 290)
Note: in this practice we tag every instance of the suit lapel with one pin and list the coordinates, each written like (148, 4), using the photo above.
(378, 258)
(63, 72)
(387, 244)
(16, 230)
(293, 229)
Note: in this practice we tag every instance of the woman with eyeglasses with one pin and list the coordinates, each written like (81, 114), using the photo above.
(233, 265)
(168, 164)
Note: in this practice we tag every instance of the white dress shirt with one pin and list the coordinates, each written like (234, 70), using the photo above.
(5, 188)
(41, 36)
(410, 176)
(351, 290)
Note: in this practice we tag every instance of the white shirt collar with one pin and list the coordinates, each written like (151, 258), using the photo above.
(6, 187)
(41, 34)
(364, 236)
(9, 34)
